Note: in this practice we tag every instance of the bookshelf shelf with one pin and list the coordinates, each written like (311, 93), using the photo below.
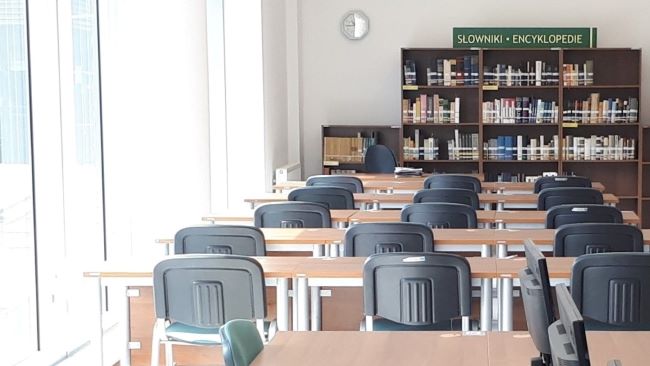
(630, 86)
(440, 124)
(487, 161)
(440, 161)
(628, 197)
(418, 87)
(488, 87)
(587, 125)
(600, 161)
(554, 125)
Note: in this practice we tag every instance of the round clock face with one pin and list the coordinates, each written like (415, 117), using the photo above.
(355, 24)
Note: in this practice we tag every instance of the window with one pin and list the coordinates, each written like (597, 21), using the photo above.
(18, 315)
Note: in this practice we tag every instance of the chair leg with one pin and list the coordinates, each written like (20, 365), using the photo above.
(155, 345)
(169, 355)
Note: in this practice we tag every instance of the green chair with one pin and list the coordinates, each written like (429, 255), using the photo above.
(241, 342)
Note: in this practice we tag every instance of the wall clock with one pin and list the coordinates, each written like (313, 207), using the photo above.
(355, 25)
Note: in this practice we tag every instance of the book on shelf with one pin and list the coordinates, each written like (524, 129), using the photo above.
(459, 71)
(343, 171)
(521, 147)
(526, 110)
(532, 73)
(464, 146)
(417, 148)
(350, 150)
(578, 74)
(409, 73)
(610, 147)
(595, 110)
(430, 109)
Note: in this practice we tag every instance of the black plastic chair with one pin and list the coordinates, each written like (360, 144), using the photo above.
(561, 181)
(573, 240)
(379, 159)
(613, 289)
(447, 195)
(551, 197)
(574, 214)
(196, 294)
(293, 215)
(220, 239)
(335, 198)
(453, 181)
(440, 215)
(363, 240)
(352, 184)
(408, 291)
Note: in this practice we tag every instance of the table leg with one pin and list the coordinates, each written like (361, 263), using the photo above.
(317, 250)
(302, 293)
(486, 304)
(98, 335)
(294, 304)
(315, 308)
(282, 300)
(506, 299)
(501, 206)
(126, 329)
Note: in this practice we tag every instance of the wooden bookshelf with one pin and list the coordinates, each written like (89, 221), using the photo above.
(385, 135)
(616, 74)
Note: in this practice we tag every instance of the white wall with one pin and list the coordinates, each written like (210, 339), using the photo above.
(156, 131)
(274, 48)
(348, 82)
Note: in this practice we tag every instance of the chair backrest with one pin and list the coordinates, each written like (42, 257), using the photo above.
(379, 159)
(416, 289)
(453, 181)
(567, 336)
(536, 295)
(335, 198)
(561, 181)
(220, 239)
(293, 215)
(447, 195)
(207, 290)
(551, 197)
(440, 215)
(573, 240)
(352, 184)
(613, 288)
(574, 214)
(241, 342)
(365, 239)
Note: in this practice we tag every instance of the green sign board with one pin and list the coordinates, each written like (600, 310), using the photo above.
(525, 37)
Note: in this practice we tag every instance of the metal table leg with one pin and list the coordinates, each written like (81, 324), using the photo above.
(302, 293)
(315, 308)
(282, 299)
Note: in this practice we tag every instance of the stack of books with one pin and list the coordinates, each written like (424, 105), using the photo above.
(521, 147)
(611, 147)
(459, 71)
(520, 110)
(430, 109)
(533, 73)
(593, 110)
(578, 74)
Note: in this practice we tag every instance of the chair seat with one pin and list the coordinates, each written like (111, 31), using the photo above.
(382, 324)
(181, 332)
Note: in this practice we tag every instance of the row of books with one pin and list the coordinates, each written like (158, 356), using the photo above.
(430, 109)
(457, 71)
(464, 146)
(521, 147)
(610, 147)
(512, 177)
(578, 74)
(533, 73)
(345, 149)
(593, 110)
(520, 110)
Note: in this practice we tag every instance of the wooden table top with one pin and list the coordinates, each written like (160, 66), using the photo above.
(539, 217)
(352, 267)
(511, 348)
(375, 349)
(394, 216)
(414, 184)
(404, 198)
(558, 267)
(337, 215)
(631, 348)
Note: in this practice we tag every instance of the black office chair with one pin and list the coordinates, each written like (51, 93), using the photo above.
(561, 181)
(551, 197)
(613, 289)
(440, 215)
(573, 240)
(293, 215)
(447, 195)
(335, 198)
(220, 239)
(538, 303)
(574, 214)
(379, 159)
(196, 294)
(453, 181)
(423, 291)
(352, 184)
(363, 240)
